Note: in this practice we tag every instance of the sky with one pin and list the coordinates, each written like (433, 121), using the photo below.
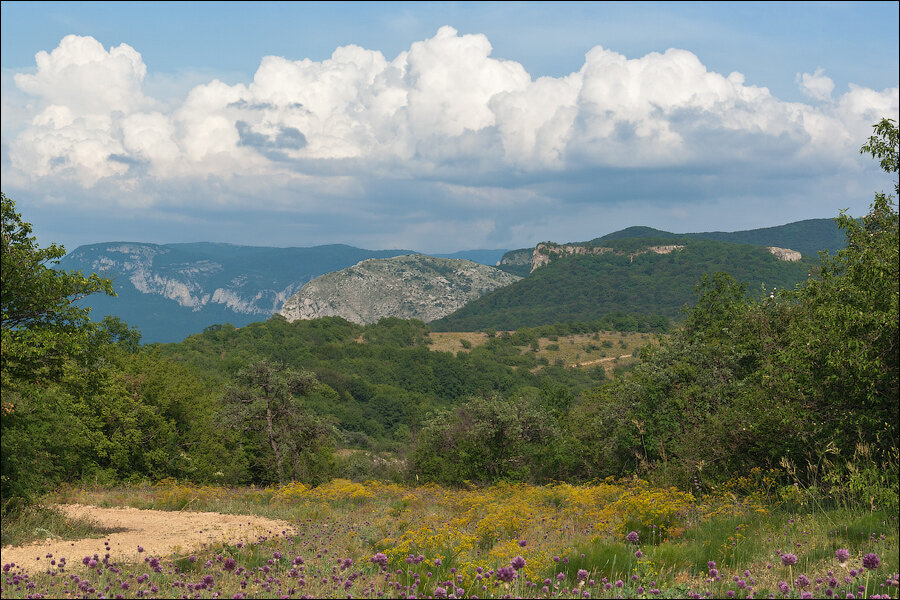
(441, 126)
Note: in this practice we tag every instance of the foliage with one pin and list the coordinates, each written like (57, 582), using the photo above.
(268, 399)
(591, 287)
(41, 324)
(805, 375)
(488, 439)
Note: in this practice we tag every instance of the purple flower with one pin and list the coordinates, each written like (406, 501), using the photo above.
(507, 573)
(582, 574)
(789, 559)
(871, 561)
(842, 555)
(638, 554)
(437, 563)
(229, 564)
(380, 559)
(784, 587)
(632, 537)
(517, 563)
(523, 543)
(802, 582)
(440, 592)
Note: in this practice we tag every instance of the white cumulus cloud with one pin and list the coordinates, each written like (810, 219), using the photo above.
(444, 109)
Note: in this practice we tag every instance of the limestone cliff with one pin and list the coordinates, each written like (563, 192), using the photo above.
(784, 253)
(408, 287)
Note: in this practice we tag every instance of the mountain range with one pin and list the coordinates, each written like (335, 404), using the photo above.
(170, 291)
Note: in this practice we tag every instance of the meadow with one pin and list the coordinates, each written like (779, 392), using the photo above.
(608, 539)
(610, 350)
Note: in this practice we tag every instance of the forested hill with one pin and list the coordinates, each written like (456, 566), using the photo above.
(808, 237)
(585, 287)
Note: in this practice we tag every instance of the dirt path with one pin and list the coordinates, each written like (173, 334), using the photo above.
(159, 532)
(600, 360)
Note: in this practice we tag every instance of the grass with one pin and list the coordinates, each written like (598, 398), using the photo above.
(40, 522)
(608, 349)
(432, 537)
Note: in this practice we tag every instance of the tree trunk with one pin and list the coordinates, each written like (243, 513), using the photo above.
(270, 431)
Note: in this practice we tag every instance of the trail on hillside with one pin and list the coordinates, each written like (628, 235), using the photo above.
(600, 360)
(159, 532)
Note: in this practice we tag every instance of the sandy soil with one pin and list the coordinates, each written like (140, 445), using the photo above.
(159, 532)
(600, 360)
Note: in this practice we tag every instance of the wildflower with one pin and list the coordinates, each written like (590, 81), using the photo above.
(229, 564)
(842, 555)
(639, 554)
(523, 543)
(784, 587)
(802, 581)
(506, 573)
(517, 563)
(379, 559)
(871, 561)
(789, 559)
(582, 574)
(632, 537)
(440, 592)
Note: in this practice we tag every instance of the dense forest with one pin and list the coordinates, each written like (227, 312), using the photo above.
(581, 288)
(805, 378)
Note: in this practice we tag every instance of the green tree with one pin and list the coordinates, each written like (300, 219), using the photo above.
(267, 398)
(41, 324)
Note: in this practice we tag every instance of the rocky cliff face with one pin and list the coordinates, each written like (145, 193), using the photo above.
(784, 253)
(408, 287)
(173, 290)
(194, 284)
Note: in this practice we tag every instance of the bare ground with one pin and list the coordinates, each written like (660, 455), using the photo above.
(160, 533)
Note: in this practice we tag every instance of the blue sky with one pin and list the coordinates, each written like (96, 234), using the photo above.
(437, 126)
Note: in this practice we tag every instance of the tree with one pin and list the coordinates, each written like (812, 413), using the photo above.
(42, 325)
(267, 397)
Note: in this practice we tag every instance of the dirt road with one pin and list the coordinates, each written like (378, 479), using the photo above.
(159, 532)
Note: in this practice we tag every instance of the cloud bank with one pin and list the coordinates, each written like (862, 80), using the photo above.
(477, 133)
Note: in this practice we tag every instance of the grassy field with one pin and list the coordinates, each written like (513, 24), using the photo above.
(608, 539)
(608, 349)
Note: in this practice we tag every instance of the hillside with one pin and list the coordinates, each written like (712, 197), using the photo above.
(407, 287)
(807, 237)
(624, 279)
(171, 291)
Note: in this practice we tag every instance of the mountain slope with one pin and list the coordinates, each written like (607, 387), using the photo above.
(408, 287)
(628, 278)
(807, 237)
(171, 291)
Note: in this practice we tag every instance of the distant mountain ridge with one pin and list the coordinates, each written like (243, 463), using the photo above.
(808, 237)
(642, 275)
(170, 291)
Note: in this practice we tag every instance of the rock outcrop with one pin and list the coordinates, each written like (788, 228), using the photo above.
(408, 287)
(785, 253)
